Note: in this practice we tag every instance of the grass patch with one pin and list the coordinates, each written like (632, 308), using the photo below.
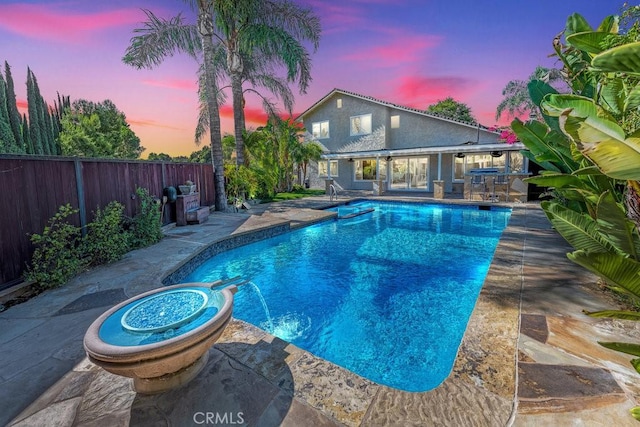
(299, 194)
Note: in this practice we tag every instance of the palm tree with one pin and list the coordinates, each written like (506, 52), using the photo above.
(161, 38)
(516, 101)
(257, 34)
(205, 28)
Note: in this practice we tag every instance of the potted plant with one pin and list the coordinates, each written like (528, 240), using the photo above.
(187, 188)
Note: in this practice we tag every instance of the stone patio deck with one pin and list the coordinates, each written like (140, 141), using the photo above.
(529, 356)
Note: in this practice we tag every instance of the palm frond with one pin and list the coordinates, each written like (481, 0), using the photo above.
(160, 38)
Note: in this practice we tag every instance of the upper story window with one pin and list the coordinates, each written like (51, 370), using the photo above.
(395, 122)
(320, 130)
(360, 125)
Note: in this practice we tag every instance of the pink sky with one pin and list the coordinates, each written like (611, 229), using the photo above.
(409, 52)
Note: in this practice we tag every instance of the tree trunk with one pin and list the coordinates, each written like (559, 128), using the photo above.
(238, 116)
(632, 201)
(205, 28)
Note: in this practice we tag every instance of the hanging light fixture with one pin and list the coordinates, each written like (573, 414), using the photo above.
(496, 153)
(460, 155)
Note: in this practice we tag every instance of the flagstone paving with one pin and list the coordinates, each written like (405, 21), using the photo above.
(529, 356)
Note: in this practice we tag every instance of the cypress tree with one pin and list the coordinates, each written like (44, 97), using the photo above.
(7, 141)
(52, 131)
(60, 106)
(42, 118)
(14, 115)
(47, 132)
(26, 137)
(34, 123)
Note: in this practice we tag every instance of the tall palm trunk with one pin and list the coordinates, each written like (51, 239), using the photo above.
(236, 67)
(238, 116)
(205, 28)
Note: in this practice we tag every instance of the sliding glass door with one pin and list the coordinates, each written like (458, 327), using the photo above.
(410, 173)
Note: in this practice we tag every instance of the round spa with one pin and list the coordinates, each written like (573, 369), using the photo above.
(160, 338)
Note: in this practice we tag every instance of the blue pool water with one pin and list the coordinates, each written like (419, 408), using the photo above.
(386, 294)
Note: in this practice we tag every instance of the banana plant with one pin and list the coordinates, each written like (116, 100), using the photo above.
(601, 122)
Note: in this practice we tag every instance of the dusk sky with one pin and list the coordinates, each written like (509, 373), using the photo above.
(409, 52)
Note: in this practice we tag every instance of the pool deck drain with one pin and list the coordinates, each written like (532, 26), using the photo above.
(529, 356)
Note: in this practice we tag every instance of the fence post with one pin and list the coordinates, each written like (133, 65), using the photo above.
(80, 188)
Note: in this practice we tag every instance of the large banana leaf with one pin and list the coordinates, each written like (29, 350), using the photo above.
(578, 195)
(588, 170)
(632, 100)
(615, 314)
(604, 142)
(609, 24)
(537, 138)
(579, 230)
(556, 180)
(623, 347)
(544, 164)
(538, 90)
(614, 268)
(616, 227)
(620, 59)
(576, 24)
(590, 41)
(612, 96)
(556, 104)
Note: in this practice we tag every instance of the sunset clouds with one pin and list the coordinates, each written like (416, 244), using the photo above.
(420, 92)
(43, 21)
(401, 49)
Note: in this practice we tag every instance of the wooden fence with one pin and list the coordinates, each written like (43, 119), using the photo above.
(35, 187)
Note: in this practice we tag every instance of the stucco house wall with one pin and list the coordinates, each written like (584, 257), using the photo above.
(397, 132)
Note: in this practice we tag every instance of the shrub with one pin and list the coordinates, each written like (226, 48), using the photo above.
(241, 182)
(297, 188)
(145, 226)
(57, 256)
(106, 240)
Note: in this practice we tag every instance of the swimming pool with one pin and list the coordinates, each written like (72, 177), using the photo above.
(386, 294)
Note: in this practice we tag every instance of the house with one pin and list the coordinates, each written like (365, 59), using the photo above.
(369, 144)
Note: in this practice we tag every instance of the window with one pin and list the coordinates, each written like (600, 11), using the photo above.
(320, 130)
(410, 173)
(339, 103)
(370, 170)
(382, 171)
(395, 122)
(322, 168)
(361, 125)
(366, 170)
(516, 162)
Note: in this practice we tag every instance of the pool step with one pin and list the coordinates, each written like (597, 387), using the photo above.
(355, 213)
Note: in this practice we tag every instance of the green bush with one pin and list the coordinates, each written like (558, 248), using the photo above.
(241, 182)
(145, 226)
(297, 188)
(106, 240)
(57, 256)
